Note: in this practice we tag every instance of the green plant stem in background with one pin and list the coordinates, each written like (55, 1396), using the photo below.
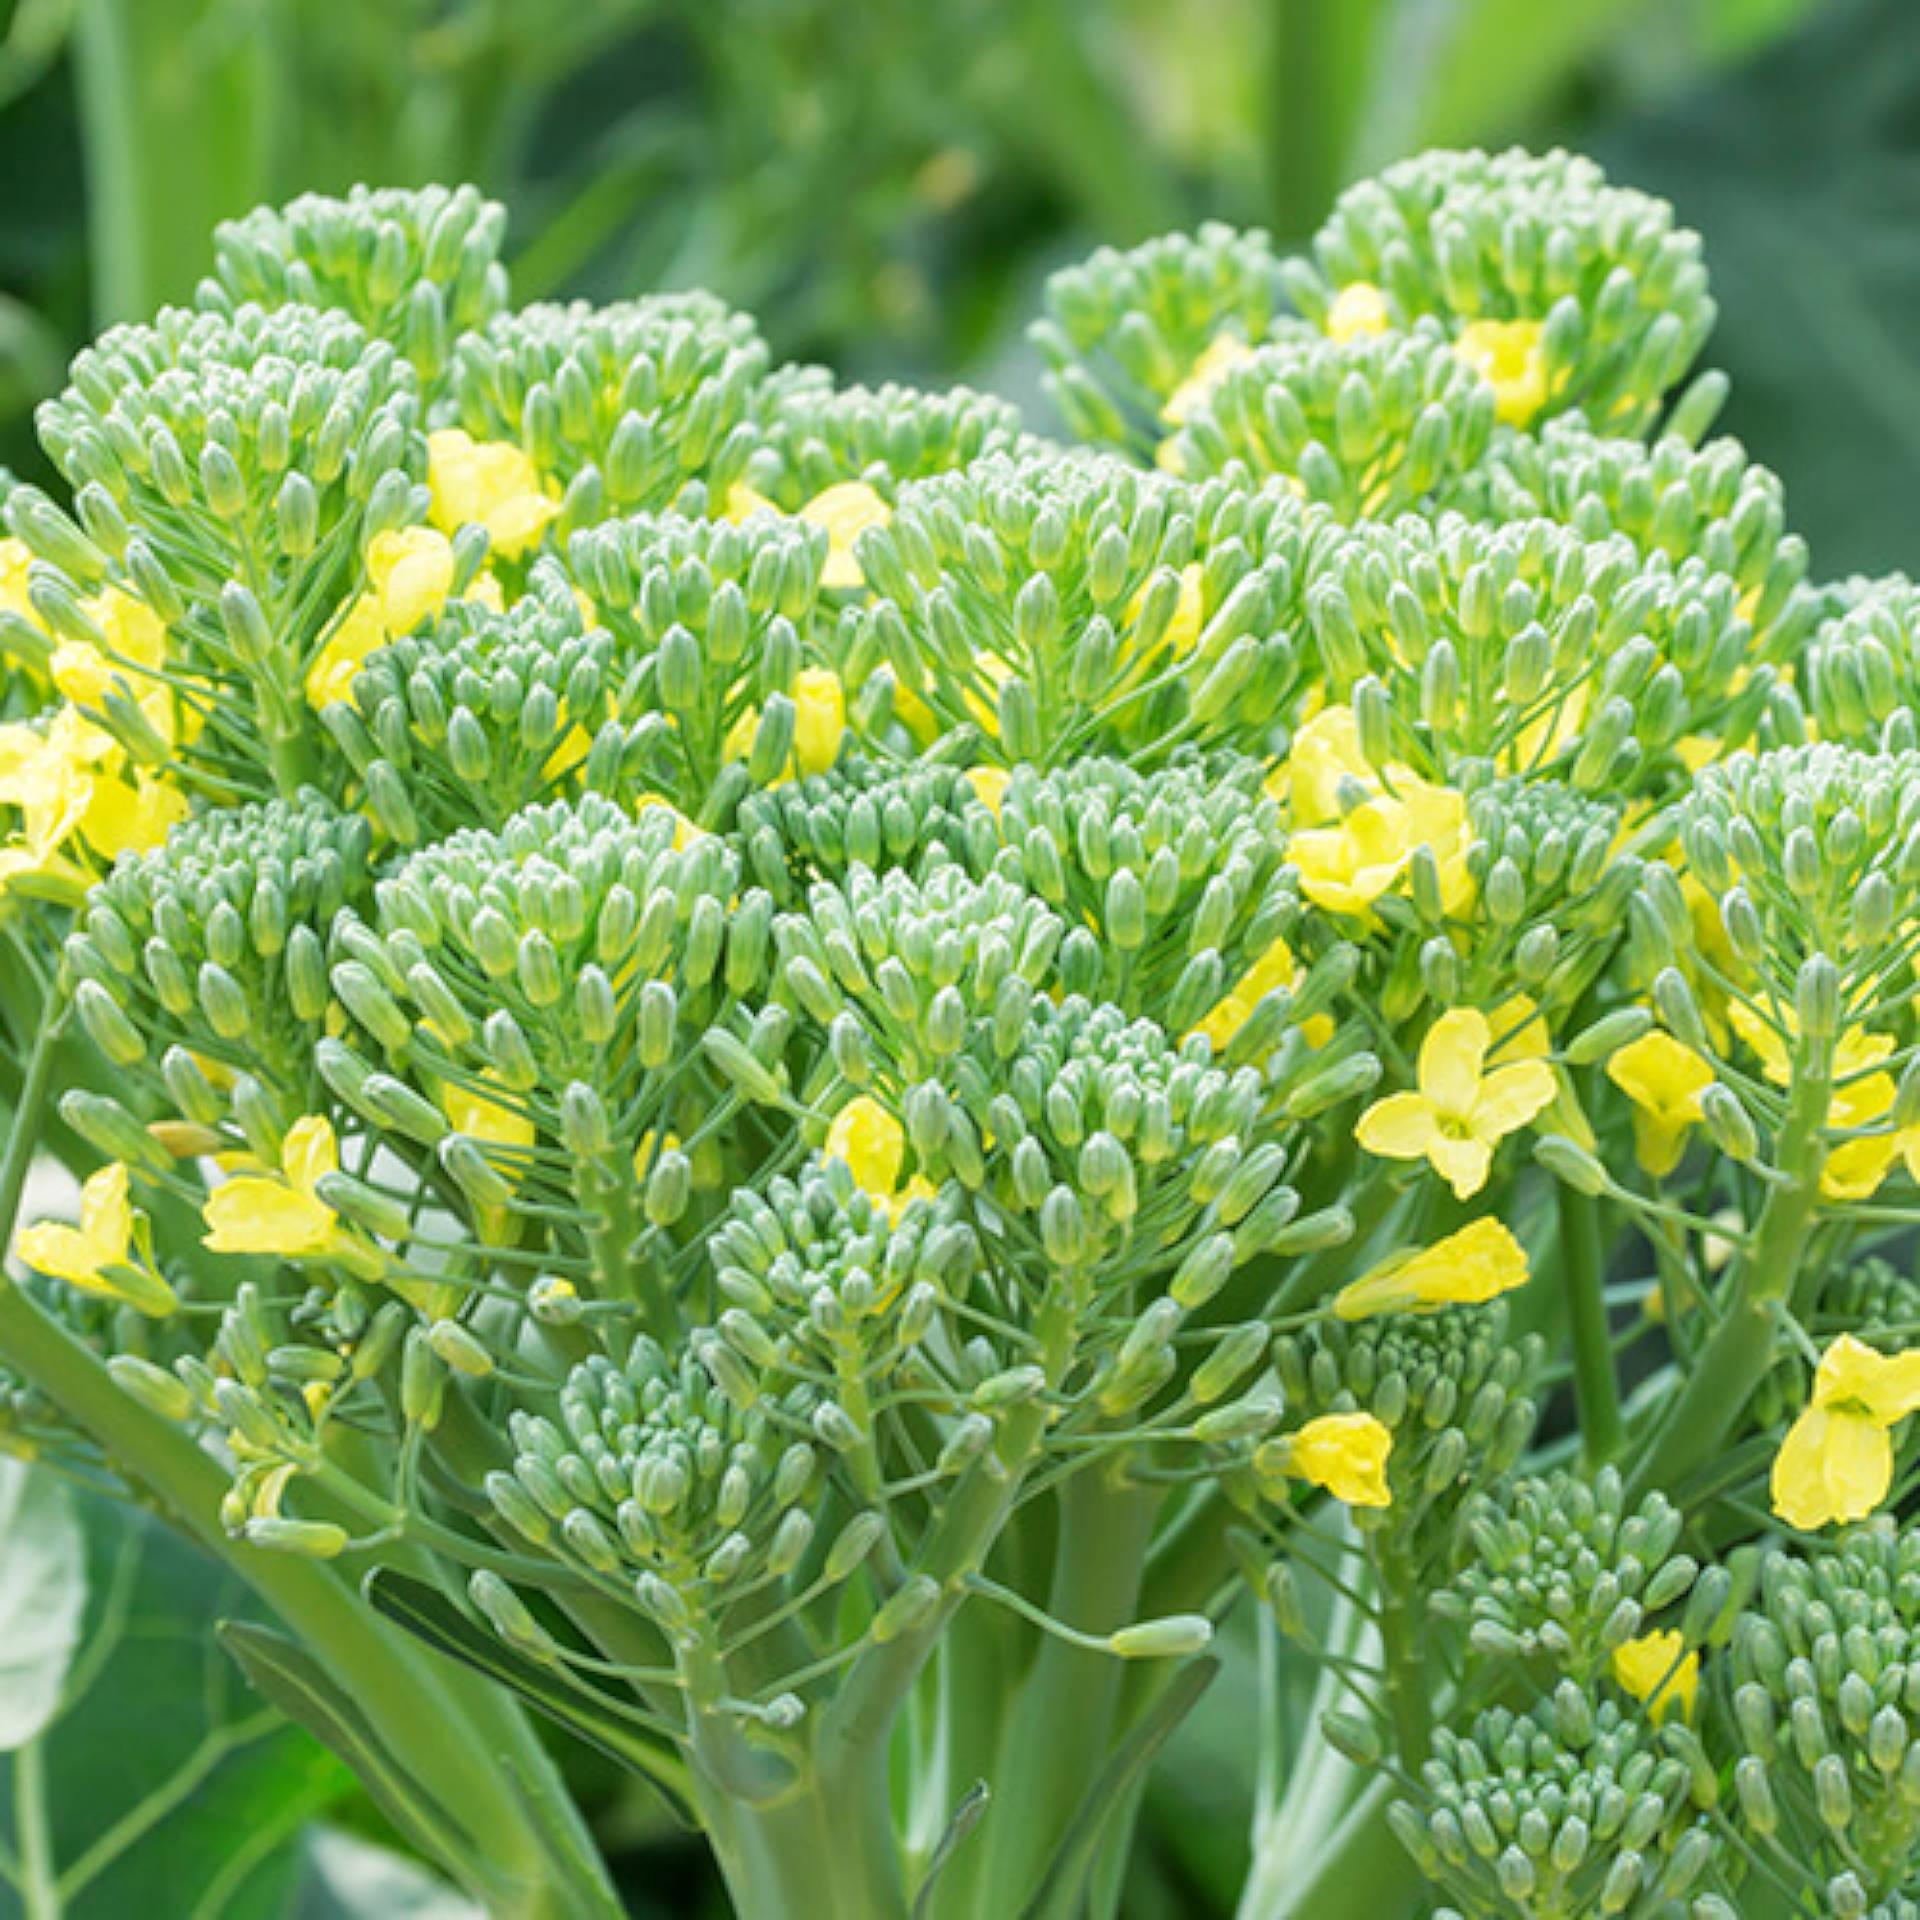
(39, 1891)
(178, 102)
(1596, 1384)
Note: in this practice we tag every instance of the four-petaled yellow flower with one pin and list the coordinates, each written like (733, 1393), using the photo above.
(261, 1212)
(1346, 1453)
(1359, 308)
(846, 511)
(1655, 1668)
(1461, 1111)
(1664, 1079)
(1477, 1264)
(872, 1144)
(98, 1256)
(1836, 1462)
(491, 484)
(1511, 356)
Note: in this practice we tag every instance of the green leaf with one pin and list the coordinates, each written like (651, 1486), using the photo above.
(161, 1770)
(43, 1598)
(1813, 265)
(429, 1614)
(296, 1683)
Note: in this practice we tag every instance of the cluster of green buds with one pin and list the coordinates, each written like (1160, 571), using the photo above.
(1124, 331)
(1043, 610)
(621, 406)
(1561, 1573)
(1861, 678)
(1530, 649)
(865, 813)
(1173, 882)
(415, 267)
(1368, 426)
(1571, 1809)
(527, 1007)
(210, 955)
(1822, 1701)
(230, 472)
(727, 637)
(491, 710)
(1570, 292)
(1454, 1389)
(814, 440)
(1669, 496)
(844, 1066)
(1810, 855)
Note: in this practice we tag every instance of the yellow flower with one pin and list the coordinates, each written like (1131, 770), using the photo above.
(1836, 1462)
(1654, 1669)
(1480, 1262)
(819, 719)
(743, 502)
(1356, 827)
(1510, 355)
(1222, 354)
(136, 640)
(871, 1142)
(475, 1112)
(491, 484)
(846, 511)
(873, 1146)
(359, 633)
(1276, 968)
(410, 572)
(1461, 1111)
(1358, 309)
(16, 568)
(1324, 765)
(1346, 1453)
(98, 1255)
(989, 785)
(280, 1213)
(1664, 1080)
(66, 781)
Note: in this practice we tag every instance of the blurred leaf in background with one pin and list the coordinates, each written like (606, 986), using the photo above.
(145, 1763)
(1804, 167)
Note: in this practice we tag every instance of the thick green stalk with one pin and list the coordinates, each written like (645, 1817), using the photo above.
(1741, 1347)
(1596, 1385)
(1403, 1647)
(825, 1848)
(1360, 1870)
(1060, 1730)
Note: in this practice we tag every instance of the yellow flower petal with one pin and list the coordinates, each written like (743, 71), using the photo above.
(1346, 1453)
(1657, 1669)
(1832, 1466)
(1451, 1058)
(872, 1142)
(1477, 1264)
(846, 511)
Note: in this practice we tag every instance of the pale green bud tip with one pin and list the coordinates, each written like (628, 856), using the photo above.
(1172, 1638)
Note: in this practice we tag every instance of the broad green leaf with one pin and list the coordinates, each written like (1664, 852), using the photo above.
(162, 1771)
(43, 1598)
(355, 1880)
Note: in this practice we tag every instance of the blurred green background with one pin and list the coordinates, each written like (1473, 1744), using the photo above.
(886, 182)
